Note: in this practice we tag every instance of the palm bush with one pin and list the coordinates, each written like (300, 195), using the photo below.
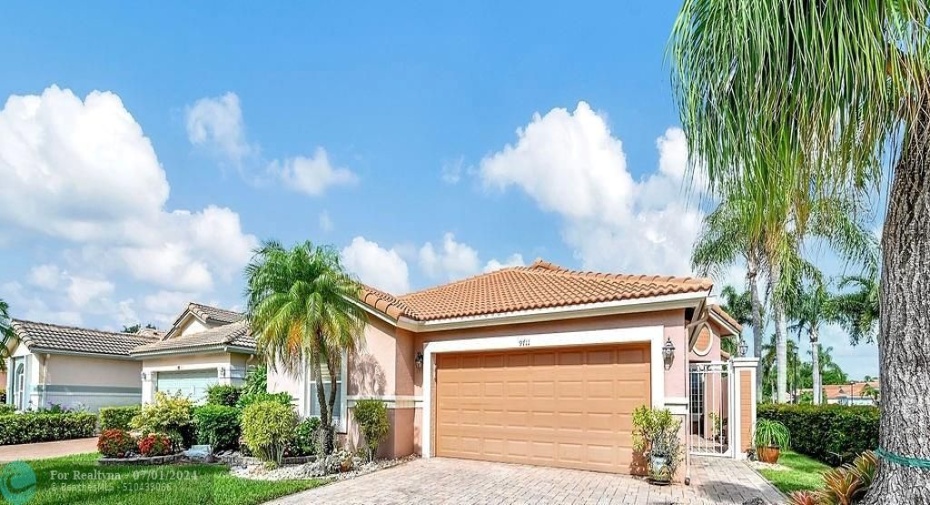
(769, 433)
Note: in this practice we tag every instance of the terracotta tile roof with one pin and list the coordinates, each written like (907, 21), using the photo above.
(53, 337)
(716, 309)
(235, 334)
(540, 285)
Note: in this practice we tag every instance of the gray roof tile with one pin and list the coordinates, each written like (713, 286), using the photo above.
(235, 334)
(55, 337)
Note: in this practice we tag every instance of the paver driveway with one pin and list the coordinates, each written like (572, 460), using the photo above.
(44, 450)
(439, 480)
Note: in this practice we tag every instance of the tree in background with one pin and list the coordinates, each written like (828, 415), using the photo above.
(739, 306)
(136, 327)
(858, 310)
(812, 309)
(825, 93)
(302, 308)
(6, 333)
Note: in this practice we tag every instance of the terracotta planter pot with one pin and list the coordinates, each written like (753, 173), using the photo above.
(768, 454)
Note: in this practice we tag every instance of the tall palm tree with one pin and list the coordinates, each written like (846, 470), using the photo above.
(769, 364)
(825, 93)
(858, 310)
(301, 306)
(739, 306)
(814, 307)
(725, 239)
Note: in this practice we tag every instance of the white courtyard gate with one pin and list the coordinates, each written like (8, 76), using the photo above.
(711, 409)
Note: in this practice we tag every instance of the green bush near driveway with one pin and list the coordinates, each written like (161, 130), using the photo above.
(218, 426)
(223, 394)
(251, 398)
(29, 427)
(372, 419)
(117, 418)
(832, 434)
(171, 415)
(267, 429)
(306, 438)
(149, 485)
(6, 409)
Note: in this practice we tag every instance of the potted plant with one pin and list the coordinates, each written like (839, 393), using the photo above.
(769, 439)
(655, 436)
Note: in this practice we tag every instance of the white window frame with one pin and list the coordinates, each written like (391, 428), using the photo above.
(342, 400)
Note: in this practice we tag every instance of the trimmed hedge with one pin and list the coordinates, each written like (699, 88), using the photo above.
(223, 394)
(833, 434)
(117, 418)
(32, 427)
(218, 426)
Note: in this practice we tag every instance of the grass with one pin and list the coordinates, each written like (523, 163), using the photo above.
(80, 480)
(802, 473)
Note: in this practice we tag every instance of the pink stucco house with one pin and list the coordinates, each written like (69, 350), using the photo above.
(543, 365)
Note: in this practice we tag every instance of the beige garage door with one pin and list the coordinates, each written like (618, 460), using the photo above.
(569, 408)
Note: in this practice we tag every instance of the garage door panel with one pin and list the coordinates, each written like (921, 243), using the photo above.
(569, 407)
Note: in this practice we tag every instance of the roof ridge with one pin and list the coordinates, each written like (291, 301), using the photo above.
(545, 270)
(15, 322)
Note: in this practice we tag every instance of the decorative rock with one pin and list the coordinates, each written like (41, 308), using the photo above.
(202, 453)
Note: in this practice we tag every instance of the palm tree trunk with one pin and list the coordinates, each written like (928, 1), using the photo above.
(815, 365)
(903, 342)
(781, 342)
(751, 272)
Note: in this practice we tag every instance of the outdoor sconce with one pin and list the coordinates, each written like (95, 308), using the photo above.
(144, 376)
(668, 352)
(222, 371)
(742, 349)
(418, 360)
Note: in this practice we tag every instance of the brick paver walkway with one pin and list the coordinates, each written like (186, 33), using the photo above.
(440, 480)
(47, 449)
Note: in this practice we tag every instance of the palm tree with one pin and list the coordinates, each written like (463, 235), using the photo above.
(826, 93)
(769, 365)
(301, 306)
(814, 307)
(858, 311)
(739, 306)
(6, 333)
(726, 238)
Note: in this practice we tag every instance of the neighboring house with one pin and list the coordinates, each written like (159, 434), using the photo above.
(854, 393)
(62, 365)
(205, 346)
(54, 364)
(538, 365)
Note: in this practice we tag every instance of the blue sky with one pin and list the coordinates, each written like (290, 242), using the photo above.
(151, 147)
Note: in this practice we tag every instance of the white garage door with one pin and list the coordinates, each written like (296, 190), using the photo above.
(191, 383)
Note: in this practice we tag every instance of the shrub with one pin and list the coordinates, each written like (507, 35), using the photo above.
(29, 427)
(267, 427)
(306, 437)
(833, 434)
(115, 443)
(155, 444)
(2, 395)
(256, 381)
(218, 426)
(223, 394)
(170, 415)
(372, 419)
(6, 409)
(655, 432)
(252, 398)
(118, 417)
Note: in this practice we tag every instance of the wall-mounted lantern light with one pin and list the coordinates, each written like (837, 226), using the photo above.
(742, 348)
(668, 353)
(222, 371)
(418, 360)
(144, 376)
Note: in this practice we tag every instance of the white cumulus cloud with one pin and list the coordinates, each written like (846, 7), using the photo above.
(376, 266)
(311, 175)
(216, 123)
(570, 164)
(450, 261)
(514, 260)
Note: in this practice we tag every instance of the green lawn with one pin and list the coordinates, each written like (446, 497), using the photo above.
(79, 480)
(803, 473)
